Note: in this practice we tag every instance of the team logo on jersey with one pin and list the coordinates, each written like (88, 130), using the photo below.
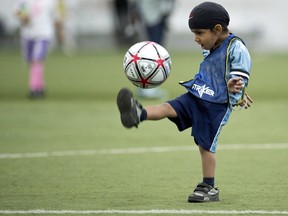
(203, 90)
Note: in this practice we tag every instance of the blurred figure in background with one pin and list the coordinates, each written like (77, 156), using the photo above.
(154, 16)
(2, 28)
(125, 31)
(38, 19)
(67, 40)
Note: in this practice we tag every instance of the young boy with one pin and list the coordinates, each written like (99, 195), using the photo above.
(216, 88)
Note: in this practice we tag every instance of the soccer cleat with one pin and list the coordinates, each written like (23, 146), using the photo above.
(130, 109)
(204, 193)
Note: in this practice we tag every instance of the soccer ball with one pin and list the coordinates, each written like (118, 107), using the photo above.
(147, 64)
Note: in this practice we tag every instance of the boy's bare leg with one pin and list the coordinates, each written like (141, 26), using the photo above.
(161, 111)
(205, 192)
(208, 163)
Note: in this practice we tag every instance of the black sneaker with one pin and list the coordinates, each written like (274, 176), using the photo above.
(204, 193)
(36, 94)
(129, 108)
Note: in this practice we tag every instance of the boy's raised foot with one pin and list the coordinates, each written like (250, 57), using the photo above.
(129, 107)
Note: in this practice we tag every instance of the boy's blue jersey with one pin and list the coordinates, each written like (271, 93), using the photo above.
(230, 59)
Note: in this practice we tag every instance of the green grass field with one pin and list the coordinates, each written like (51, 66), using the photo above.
(69, 151)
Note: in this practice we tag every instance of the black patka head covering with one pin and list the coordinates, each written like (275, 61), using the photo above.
(207, 14)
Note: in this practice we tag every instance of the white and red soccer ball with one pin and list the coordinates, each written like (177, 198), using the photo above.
(147, 64)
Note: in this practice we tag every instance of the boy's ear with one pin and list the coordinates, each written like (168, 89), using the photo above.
(218, 29)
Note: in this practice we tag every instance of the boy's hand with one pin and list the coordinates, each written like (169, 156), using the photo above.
(24, 18)
(235, 85)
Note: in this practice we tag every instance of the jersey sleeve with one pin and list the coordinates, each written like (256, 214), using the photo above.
(239, 65)
(240, 61)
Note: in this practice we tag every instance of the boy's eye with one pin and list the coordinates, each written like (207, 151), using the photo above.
(198, 33)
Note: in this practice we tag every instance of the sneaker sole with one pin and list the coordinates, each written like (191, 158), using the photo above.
(126, 110)
(203, 199)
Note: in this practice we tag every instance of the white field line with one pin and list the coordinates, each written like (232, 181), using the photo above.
(140, 150)
(156, 211)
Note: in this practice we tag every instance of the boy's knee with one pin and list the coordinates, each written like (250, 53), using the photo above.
(171, 113)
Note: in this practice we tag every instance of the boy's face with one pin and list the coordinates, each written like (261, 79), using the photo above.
(206, 38)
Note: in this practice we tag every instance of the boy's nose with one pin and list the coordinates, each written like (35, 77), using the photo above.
(196, 39)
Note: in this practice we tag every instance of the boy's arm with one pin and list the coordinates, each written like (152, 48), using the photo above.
(22, 17)
(239, 66)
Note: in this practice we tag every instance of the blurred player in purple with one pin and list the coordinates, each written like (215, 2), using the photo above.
(38, 19)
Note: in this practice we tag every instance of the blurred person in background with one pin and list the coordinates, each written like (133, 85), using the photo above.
(67, 40)
(139, 20)
(154, 16)
(2, 28)
(38, 21)
(125, 31)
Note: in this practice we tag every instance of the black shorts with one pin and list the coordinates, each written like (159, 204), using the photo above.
(205, 118)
